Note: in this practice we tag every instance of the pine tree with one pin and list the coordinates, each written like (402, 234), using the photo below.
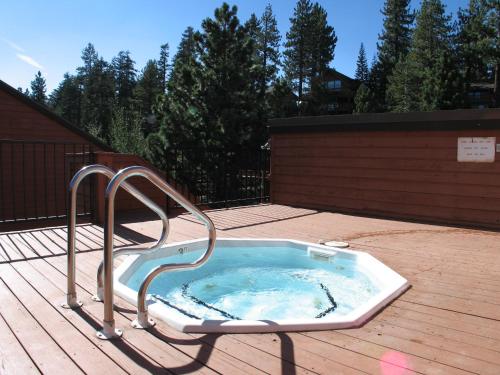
(298, 59)
(309, 49)
(403, 87)
(281, 100)
(66, 98)
(125, 78)
(163, 65)
(38, 89)
(322, 42)
(98, 98)
(148, 87)
(268, 46)
(429, 73)
(182, 110)
(125, 134)
(89, 58)
(227, 55)
(394, 44)
(494, 28)
(362, 71)
(363, 100)
(473, 42)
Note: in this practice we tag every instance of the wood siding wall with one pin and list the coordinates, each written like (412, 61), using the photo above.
(21, 121)
(34, 173)
(402, 174)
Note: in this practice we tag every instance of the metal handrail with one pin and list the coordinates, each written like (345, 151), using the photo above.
(109, 330)
(71, 297)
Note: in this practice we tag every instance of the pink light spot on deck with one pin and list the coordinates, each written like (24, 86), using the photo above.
(393, 363)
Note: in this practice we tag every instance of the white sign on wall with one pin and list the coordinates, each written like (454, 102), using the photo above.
(476, 149)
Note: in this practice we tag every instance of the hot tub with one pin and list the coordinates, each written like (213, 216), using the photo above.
(261, 285)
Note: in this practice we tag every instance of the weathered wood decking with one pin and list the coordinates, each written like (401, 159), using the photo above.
(447, 323)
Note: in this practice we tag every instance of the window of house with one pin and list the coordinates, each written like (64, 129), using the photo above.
(334, 85)
(332, 107)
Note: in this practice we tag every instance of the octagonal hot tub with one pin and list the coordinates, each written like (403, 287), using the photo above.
(261, 285)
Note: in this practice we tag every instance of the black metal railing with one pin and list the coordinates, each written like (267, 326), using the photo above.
(218, 178)
(34, 176)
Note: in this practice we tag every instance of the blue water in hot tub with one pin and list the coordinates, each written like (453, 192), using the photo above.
(259, 283)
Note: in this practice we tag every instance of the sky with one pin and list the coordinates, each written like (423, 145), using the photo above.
(49, 35)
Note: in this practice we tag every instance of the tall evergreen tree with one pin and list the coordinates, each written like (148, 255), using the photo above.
(403, 89)
(309, 49)
(298, 59)
(363, 100)
(98, 98)
(66, 99)
(430, 63)
(180, 112)
(163, 65)
(494, 27)
(149, 86)
(394, 44)
(39, 89)
(125, 78)
(268, 47)
(362, 71)
(322, 42)
(89, 58)
(227, 55)
(473, 42)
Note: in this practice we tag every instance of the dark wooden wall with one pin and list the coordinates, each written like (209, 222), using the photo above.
(380, 170)
(35, 169)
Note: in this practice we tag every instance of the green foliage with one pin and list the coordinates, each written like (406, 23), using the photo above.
(362, 71)
(226, 54)
(125, 78)
(38, 89)
(148, 87)
(163, 66)
(309, 49)
(394, 44)
(66, 98)
(125, 133)
(403, 87)
(268, 42)
(281, 99)
(427, 79)
(473, 42)
(98, 97)
(363, 101)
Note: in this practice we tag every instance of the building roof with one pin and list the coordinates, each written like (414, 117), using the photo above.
(436, 120)
(53, 116)
(332, 71)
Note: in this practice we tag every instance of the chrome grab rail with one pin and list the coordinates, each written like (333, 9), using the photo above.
(109, 330)
(71, 297)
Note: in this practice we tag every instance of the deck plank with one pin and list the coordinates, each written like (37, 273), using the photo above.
(171, 344)
(13, 357)
(221, 349)
(82, 351)
(43, 350)
(447, 323)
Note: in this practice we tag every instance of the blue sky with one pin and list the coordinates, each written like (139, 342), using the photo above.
(48, 35)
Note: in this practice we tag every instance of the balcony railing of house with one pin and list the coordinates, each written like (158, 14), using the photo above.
(218, 178)
(34, 176)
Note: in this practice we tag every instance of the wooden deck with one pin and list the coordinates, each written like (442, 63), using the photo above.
(447, 323)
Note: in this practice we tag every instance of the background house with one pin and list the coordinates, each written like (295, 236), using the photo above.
(339, 93)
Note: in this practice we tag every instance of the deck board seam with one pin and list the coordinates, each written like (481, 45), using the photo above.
(17, 338)
(82, 287)
(38, 322)
(359, 353)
